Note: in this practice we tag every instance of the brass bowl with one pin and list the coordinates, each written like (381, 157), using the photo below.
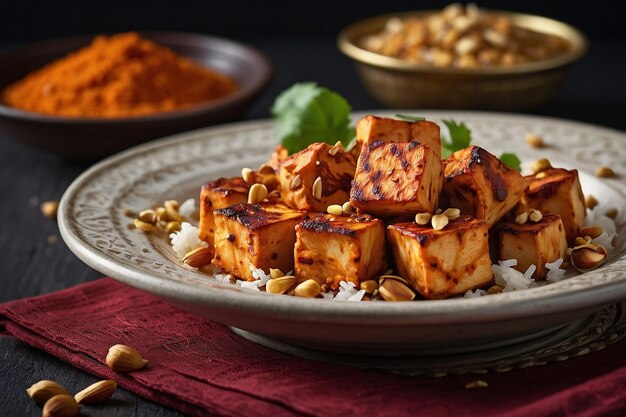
(401, 84)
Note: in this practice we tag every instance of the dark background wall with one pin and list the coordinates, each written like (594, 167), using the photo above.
(29, 20)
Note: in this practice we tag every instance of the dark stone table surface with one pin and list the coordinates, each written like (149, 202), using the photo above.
(32, 262)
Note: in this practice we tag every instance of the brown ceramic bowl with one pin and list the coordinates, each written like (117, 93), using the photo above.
(96, 137)
(401, 84)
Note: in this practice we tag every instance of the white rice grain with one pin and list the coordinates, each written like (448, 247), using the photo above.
(188, 207)
(475, 293)
(260, 279)
(510, 278)
(186, 239)
(555, 273)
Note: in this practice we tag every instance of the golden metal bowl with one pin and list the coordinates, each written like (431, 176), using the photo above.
(401, 84)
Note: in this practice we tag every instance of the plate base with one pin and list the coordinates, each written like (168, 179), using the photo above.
(577, 338)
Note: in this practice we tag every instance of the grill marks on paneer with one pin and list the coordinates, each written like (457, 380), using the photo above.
(480, 185)
(373, 129)
(255, 235)
(533, 243)
(396, 179)
(330, 249)
(556, 191)
(394, 172)
(441, 263)
(299, 172)
(218, 194)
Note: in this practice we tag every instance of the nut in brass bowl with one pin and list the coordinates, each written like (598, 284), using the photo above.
(397, 83)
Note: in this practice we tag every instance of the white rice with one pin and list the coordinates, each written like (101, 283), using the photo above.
(260, 279)
(252, 285)
(555, 273)
(505, 275)
(510, 278)
(475, 293)
(597, 217)
(328, 295)
(188, 207)
(508, 262)
(186, 239)
(347, 292)
(225, 278)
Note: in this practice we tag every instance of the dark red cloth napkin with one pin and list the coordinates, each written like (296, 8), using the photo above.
(200, 367)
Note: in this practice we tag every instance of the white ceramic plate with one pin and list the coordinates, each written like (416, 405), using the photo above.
(93, 224)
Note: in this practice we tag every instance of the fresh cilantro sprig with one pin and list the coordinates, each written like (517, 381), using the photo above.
(511, 160)
(409, 118)
(307, 113)
(461, 137)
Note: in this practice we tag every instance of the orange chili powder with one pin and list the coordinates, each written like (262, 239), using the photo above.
(117, 76)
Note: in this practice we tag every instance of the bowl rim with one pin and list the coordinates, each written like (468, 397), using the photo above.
(580, 44)
(259, 79)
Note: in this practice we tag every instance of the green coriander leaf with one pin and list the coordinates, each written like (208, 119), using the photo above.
(459, 133)
(511, 160)
(306, 113)
(410, 118)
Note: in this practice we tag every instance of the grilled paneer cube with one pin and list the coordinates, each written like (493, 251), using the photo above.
(533, 243)
(372, 129)
(556, 191)
(218, 194)
(396, 179)
(331, 248)
(480, 185)
(259, 236)
(279, 156)
(298, 177)
(441, 263)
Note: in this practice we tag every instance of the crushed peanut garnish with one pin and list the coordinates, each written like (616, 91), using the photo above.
(422, 218)
(336, 148)
(532, 215)
(317, 188)
(452, 213)
(590, 201)
(49, 208)
(295, 182)
(334, 209)
(592, 231)
(521, 218)
(541, 165)
(248, 176)
(307, 289)
(439, 221)
(535, 141)
(257, 193)
(535, 215)
(605, 172)
(479, 383)
(611, 214)
(464, 37)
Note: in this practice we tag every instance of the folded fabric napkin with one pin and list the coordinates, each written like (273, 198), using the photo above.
(200, 367)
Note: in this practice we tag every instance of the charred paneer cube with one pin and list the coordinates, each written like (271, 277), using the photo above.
(480, 185)
(218, 194)
(279, 156)
(255, 235)
(332, 248)
(533, 243)
(556, 191)
(397, 179)
(441, 263)
(373, 129)
(316, 177)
